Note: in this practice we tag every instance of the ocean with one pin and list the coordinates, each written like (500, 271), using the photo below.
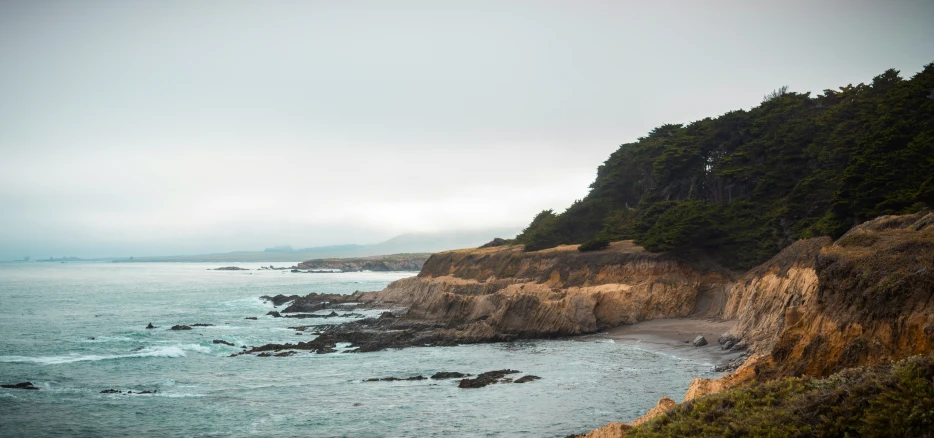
(76, 329)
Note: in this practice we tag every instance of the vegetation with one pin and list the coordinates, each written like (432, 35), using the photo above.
(746, 184)
(895, 400)
(595, 244)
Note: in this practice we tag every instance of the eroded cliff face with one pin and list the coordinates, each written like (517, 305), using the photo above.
(555, 292)
(819, 306)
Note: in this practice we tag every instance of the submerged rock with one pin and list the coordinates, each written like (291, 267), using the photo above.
(110, 391)
(201, 324)
(700, 341)
(274, 314)
(21, 385)
(150, 326)
(251, 317)
(180, 327)
(394, 379)
(448, 375)
(221, 341)
(528, 378)
(279, 299)
(486, 378)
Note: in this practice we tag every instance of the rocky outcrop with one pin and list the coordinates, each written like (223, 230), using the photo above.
(21, 385)
(554, 292)
(819, 307)
(397, 262)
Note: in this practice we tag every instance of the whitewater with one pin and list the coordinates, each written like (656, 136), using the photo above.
(76, 329)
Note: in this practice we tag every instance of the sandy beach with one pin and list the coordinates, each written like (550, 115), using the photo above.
(674, 336)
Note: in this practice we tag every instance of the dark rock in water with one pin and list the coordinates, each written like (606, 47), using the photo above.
(220, 341)
(394, 379)
(274, 314)
(21, 385)
(180, 327)
(264, 355)
(314, 302)
(138, 348)
(284, 354)
(150, 326)
(528, 378)
(110, 391)
(280, 299)
(386, 315)
(352, 315)
(700, 341)
(485, 379)
(231, 268)
(448, 375)
(298, 333)
(141, 392)
(201, 324)
(312, 315)
(251, 317)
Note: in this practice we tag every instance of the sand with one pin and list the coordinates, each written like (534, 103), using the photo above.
(668, 335)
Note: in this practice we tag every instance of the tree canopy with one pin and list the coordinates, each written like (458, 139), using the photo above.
(744, 185)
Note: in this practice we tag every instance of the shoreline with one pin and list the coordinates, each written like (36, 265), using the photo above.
(668, 335)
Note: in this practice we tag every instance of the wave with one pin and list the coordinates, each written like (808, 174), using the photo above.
(166, 352)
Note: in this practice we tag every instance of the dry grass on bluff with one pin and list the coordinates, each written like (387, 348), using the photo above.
(890, 400)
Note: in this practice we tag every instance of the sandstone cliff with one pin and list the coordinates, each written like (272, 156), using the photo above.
(820, 307)
(555, 292)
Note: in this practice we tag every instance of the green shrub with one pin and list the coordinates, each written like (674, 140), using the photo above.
(595, 244)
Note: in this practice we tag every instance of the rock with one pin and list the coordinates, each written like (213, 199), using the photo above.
(274, 314)
(284, 354)
(332, 314)
(150, 326)
(231, 268)
(448, 375)
(528, 378)
(386, 315)
(110, 391)
(394, 379)
(180, 327)
(264, 355)
(220, 341)
(201, 324)
(700, 341)
(485, 379)
(21, 385)
(280, 299)
(251, 317)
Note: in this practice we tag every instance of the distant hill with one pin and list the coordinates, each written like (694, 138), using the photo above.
(405, 243)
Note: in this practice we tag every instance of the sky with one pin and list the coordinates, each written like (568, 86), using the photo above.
(182, 127)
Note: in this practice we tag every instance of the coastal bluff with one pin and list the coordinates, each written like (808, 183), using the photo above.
(823, 307)
(506, 292)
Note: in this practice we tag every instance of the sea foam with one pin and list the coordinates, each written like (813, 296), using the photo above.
(168, 352)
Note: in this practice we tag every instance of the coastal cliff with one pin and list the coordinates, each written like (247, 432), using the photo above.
(820, 308)
(555, 292)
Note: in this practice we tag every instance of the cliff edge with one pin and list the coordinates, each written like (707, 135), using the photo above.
(555, 292)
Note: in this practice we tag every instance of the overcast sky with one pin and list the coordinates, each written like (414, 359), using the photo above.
(161, 127)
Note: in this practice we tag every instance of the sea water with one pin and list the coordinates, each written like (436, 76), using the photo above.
(75, 329)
